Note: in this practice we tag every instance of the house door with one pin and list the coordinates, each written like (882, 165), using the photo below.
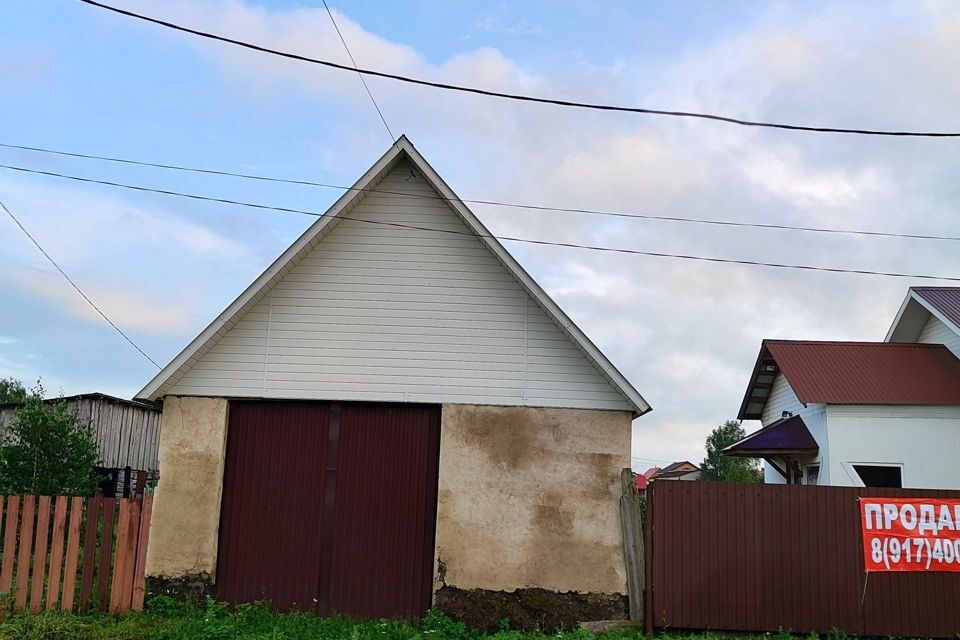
(329, 507)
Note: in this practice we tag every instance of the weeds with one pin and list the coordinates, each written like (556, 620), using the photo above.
(168, 619)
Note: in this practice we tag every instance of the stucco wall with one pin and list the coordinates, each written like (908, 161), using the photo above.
(186, 508)
(530, 498)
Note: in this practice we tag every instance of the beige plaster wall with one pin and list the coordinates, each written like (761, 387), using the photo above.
(530, 498)
(186, 508)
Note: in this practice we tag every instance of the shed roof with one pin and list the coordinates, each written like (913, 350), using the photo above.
(139, 404)
(787, 435)
(855, 373)
(401, 150)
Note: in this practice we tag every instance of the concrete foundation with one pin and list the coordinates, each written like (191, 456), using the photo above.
(529, 609)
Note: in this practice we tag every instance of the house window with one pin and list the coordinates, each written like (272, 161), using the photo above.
(813, 474)
(879, 476)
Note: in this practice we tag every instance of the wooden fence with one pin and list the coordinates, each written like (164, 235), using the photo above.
(74, 554)
(754, 557)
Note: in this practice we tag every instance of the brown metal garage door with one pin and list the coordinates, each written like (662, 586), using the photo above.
(329, 507)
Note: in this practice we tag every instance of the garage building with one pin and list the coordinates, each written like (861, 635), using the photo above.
(393, 416)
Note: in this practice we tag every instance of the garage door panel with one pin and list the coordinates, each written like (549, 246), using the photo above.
(269, 545)
(383, 541)
(330, 507)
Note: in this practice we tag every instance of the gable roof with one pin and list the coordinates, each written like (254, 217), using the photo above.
(855, 373)
(918, 305)
(402, 150)
(677, 466)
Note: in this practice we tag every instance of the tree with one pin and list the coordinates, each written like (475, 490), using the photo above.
(717, 466)
(12, 390)
(47, 450)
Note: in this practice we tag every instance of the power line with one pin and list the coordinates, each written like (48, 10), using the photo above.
(570, 245)
(520, 97)
(74, 285)
(393, 138)
(497, 203)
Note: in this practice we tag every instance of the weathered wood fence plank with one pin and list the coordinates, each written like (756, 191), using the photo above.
(56, 552)
(9, 543)
(89, 551)
(73, 553)
(139, 573)
(26, 545)
(634, 558)
(40, 553)
(103, 567)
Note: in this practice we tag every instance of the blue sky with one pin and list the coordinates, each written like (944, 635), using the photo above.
(80, 79)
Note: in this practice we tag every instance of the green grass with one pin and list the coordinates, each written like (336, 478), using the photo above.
(167, 619)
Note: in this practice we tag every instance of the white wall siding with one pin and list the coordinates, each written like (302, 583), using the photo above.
(390, 313)
(783, 398)
(923, 439)
(935, 331)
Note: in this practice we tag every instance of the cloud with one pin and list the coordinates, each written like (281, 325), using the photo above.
(498, 24)
(685, 333)
(127, 309)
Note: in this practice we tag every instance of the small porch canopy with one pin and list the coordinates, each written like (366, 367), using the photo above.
(779, 443)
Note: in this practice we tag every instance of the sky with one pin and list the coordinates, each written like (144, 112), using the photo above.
(686, 334)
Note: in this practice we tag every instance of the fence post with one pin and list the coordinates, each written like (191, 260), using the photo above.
(633, 552)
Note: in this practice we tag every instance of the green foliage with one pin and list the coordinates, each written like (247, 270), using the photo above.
(47, 450)
(166, 619)
(12, 390)
(717, 466)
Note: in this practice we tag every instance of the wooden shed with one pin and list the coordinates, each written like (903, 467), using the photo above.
(127, 434)
(394, 416)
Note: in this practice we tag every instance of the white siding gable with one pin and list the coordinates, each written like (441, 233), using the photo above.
(783, 398)
(935, 331)
(388, 313)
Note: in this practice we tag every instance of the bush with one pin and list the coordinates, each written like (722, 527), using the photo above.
(47, 450)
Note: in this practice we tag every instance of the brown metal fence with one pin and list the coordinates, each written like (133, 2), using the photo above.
(73, 554)
(753, 557)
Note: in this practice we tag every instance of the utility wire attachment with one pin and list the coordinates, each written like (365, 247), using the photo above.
(393, 138)
(74, 285)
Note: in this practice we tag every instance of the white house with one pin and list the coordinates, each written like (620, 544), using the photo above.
(929, 315)
(882, 414)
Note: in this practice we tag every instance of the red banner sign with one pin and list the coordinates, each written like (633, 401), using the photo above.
(910, 534)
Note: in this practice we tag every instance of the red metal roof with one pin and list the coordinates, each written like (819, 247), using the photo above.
(868, 372)
(946, 300)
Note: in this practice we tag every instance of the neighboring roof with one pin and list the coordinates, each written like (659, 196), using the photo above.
(918, 305)
(676, 466)
(679, 473)
(652, 471)
(888, 373)
(140, 404)
(787, 435)
(401, 149)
